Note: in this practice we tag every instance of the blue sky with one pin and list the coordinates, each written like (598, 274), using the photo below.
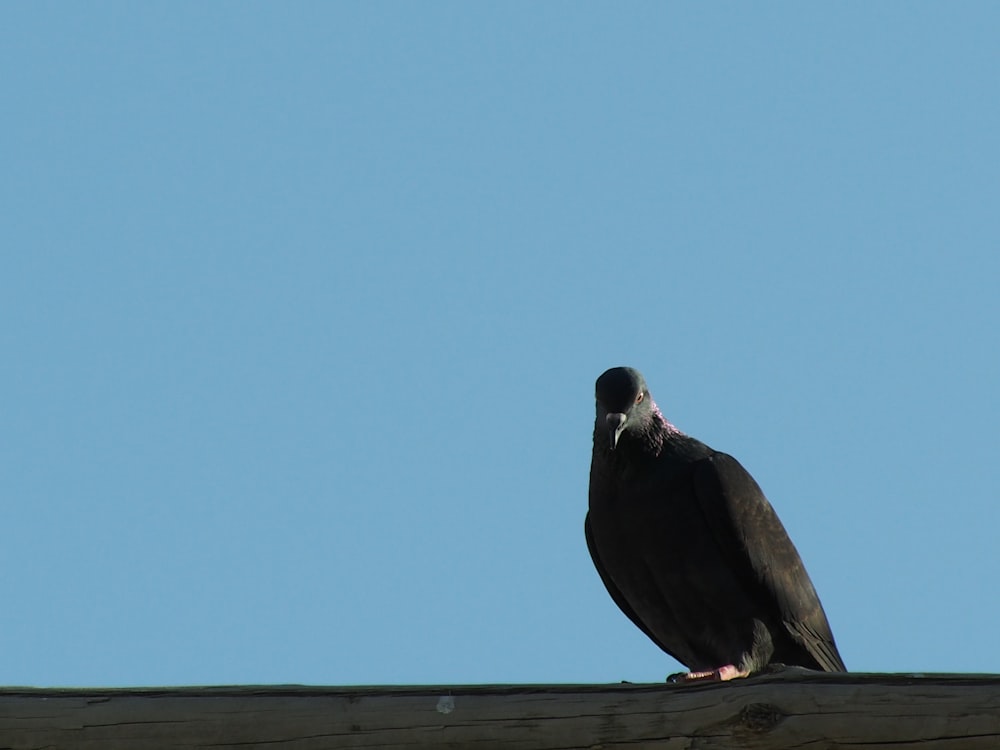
(303, 305)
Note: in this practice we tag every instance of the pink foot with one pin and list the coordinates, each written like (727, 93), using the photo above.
(727, 672)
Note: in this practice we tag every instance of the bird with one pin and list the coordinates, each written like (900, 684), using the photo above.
(690, 549)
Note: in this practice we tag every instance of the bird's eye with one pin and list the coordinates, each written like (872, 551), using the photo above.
(638, 399)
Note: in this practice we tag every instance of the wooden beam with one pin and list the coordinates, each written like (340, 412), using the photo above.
(791, 709)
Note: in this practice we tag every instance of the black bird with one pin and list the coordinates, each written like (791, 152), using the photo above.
(691, 550)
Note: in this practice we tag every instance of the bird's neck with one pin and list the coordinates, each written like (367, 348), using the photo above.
(655, 433)
(641, 442)
(663, 426)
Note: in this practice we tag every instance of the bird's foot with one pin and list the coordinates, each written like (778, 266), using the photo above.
(722, 674)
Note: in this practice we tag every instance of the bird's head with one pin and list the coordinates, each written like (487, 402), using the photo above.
(623, 403)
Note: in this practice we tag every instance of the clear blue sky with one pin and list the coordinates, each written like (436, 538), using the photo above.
(302, 306)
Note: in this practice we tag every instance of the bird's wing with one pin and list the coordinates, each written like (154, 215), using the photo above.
(755, 540)
(617, 595)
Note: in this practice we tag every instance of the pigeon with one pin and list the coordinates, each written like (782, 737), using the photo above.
(691, 550)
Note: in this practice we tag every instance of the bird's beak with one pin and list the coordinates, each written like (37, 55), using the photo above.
(616, 424)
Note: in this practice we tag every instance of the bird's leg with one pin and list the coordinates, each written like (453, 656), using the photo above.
(722, 674)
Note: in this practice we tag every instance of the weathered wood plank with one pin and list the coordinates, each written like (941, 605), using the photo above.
(792, 709)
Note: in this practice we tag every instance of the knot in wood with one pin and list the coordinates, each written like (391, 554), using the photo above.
(760, 717)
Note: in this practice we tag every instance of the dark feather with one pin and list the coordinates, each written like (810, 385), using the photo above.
(755, 541)
(616, 595)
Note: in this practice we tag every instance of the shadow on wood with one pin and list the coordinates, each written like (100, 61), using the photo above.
(791, 709)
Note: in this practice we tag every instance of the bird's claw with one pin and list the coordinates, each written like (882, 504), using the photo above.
(722, 674)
